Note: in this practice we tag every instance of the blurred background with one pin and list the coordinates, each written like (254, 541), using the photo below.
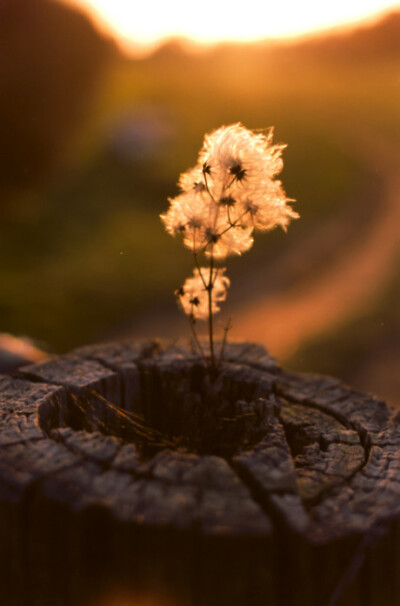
(96, 123)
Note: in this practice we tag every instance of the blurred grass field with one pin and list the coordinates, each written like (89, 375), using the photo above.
(83, 252)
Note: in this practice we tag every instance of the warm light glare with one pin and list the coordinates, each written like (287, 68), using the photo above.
(148, 22)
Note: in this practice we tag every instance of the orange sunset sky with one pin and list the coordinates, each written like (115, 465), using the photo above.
(141, 25)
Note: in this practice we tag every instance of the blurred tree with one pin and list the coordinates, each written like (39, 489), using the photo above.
(50, 59)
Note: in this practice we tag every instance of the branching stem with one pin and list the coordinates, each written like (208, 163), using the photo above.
(211, 281)
(207, 188)
(199, 269)
(210, 318)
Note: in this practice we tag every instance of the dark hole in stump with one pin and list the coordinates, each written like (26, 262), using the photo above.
(173, 406)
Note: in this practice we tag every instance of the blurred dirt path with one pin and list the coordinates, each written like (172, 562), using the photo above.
(285, 320)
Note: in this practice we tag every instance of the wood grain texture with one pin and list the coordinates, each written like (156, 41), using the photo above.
(125, 467)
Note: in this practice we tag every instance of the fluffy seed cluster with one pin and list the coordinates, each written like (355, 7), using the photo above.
(231, 192)
(193, 296)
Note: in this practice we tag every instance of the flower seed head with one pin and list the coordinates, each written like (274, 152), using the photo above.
(227, 201)
(231, 192)
(196, 289)
(237, 171)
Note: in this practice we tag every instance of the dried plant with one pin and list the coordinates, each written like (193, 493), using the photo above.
(231, 192)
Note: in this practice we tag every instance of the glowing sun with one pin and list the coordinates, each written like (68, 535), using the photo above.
(148, 22)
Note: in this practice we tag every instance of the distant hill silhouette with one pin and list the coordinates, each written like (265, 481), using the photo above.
(374, 41)
(366, 42)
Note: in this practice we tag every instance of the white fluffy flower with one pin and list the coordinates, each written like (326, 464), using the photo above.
(193, 296)
(229, 193)
(266, 207)
(220, 239)
(234, 153)
(205, 226)
(187, 215)
(192, 180)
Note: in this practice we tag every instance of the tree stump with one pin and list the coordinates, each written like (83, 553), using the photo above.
(127, 472)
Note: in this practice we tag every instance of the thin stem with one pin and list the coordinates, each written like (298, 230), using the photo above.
(196, 260)
(212, 198)
(191, 322)
(234, 224)
(215, 275)
(231, 225)
(196, 339)
(207, 188)
(210, 318)
(228, 214)
(231, 182)
(226, 329)
(199, 269)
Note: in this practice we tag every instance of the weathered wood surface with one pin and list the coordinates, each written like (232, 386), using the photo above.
(125, 468)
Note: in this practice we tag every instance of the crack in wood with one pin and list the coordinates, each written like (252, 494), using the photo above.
(364, 437)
